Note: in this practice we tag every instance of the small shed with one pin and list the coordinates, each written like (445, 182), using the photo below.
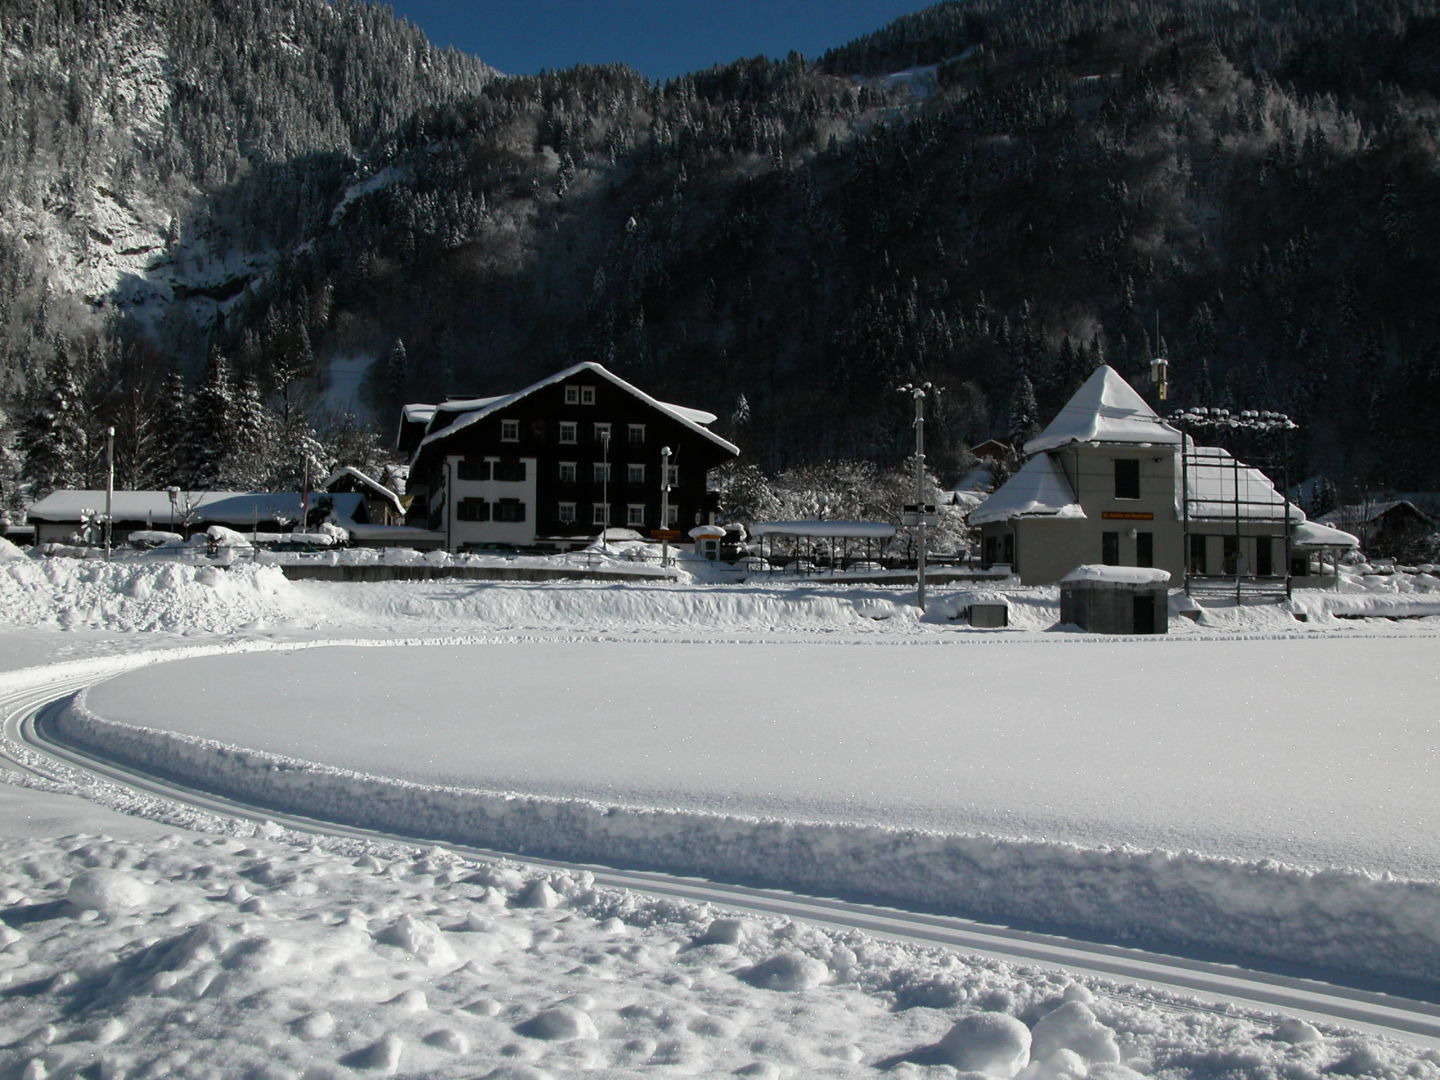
(707, 540)
(1116, 599)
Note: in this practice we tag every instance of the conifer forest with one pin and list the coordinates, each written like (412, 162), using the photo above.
(211, 205)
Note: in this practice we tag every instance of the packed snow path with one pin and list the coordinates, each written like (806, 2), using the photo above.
(27, 750)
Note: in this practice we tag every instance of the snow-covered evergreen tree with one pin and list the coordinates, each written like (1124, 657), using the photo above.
(251, 459)
(1024, 413)
(210, 433)
(52, 438)
(174, 466)
(11, 463)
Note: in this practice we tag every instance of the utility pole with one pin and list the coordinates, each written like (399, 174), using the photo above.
(109, 485)
(664, 506)
(605, 489)
(920, 515)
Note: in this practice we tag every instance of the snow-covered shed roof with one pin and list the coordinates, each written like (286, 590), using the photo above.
(1105, 409)
(1038, 489)
(1366, 513)
(858, 530)
(1310, 534)
(1117, 575)
(417, 413)
(361, 478)
(693, 419)
(222, 507)
(1213, 478)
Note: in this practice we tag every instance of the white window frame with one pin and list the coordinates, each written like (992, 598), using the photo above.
(509, 430)
(674, 515)
(674, 473)
(600, 472)
(600, 514)
(602, 428)
(635, 473)
(634, 513)
(565, 511)
(635, 434)
(569, 432)
(572, 395)
(569, 472)
(587, 395)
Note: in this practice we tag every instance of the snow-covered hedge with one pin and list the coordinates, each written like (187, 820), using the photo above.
(1340, 919)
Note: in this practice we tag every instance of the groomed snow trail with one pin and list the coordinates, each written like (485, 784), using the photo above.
(30, 699)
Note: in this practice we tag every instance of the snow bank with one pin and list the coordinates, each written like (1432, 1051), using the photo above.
(8, 551)
(1342, 920)
(167, 596)
(252, 957)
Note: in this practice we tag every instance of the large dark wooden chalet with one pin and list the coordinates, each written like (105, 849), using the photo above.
(531, 467)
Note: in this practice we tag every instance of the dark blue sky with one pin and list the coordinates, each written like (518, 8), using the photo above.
(660, 38)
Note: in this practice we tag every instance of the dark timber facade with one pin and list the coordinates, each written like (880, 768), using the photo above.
(531, 467)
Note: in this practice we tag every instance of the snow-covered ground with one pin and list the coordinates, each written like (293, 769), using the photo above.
(203, 955)
(1258, 749)
(271, 954)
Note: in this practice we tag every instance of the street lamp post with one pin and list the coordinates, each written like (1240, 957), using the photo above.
(922, 513)
(664, 506)
(605, 490)
(173, 493)
(109, 484)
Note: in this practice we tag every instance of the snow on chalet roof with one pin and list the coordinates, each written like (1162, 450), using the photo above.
(1117, 575)
(418, 413)
(1365, 513)
(223, 507)
(1310, 534)
(374, 485)
(1038, 489)
(1105, 409)
(480, 408)
(874, 530)
(1213, 478)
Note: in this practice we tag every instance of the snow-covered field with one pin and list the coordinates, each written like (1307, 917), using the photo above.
(1260, 749)
(226, 950)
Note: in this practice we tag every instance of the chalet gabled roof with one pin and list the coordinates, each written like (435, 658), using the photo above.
(1368, 513)
(374, 485)
(687, 418)
(1038, 489)
(1106, 409)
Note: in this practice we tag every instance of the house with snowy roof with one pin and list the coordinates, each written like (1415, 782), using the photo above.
(61, 516)
(1109, 482)
(556, 461)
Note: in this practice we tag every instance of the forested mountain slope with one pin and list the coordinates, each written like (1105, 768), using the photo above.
(1259, 180)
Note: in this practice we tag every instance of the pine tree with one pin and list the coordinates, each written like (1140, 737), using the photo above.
(174, 463)
(251, 459)
(52, 438)
(211, 433)
(397, 373)
(1024, 413)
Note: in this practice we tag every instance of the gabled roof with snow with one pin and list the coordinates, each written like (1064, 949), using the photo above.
(1107, 410)
(1219, 487)
(417, 413)
(240, 508)
(484, 407)
(360, 478)
(1366, 513)
(1038, 489)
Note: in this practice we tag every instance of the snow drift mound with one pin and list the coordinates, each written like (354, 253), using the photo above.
(1327, 919)
(166, 596)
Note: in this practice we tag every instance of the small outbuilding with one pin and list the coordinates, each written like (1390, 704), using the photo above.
(1116, 599)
